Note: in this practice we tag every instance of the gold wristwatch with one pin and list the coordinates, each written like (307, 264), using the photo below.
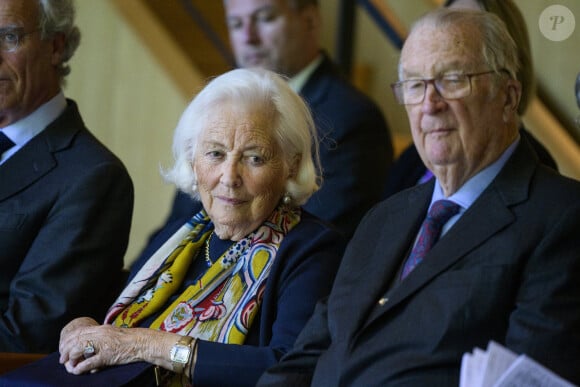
(181, 353)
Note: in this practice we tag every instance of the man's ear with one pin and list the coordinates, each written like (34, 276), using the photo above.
(58, 45)
(512, 101)
(311, 15)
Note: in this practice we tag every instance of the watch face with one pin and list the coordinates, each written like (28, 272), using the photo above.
(180, 354)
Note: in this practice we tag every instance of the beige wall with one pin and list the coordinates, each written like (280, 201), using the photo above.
(130, 104)
(557, 63)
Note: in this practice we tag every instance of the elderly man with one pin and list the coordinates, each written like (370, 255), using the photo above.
(355, 144)
(507, 267)
(65, 200)
(408, 169)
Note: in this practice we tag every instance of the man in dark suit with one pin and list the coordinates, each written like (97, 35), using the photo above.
(355, 143)
(507, 266)
(65, 200)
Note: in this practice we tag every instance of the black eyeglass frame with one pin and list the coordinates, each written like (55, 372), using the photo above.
(397, 87)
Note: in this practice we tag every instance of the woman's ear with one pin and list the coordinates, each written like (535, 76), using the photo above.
(294, 166)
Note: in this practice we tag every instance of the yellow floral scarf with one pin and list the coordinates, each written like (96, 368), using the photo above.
(221, 305)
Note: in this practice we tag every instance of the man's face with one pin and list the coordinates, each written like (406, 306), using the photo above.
(271, 34)
(28, 76)
(469, 133)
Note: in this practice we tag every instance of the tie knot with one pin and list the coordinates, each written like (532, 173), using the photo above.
(442, 210)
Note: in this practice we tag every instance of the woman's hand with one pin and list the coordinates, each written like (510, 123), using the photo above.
(112, 345)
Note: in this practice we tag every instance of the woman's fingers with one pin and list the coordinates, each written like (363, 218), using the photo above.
(76, 341)
(87, 348)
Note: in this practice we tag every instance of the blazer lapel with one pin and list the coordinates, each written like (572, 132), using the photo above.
(36, 158)
(372, 273)
(492, 216)
(26, 166)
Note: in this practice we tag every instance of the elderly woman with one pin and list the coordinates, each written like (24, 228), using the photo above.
(248, 268)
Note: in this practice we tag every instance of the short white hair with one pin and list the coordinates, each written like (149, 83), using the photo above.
(58, 16)
(292, 123)
(498, 49)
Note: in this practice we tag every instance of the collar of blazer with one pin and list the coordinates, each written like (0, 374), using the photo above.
(36, 159)
(316, 87)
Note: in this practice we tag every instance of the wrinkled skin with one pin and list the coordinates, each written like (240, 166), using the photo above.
(114, 346)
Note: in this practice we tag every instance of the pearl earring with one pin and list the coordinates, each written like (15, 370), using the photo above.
(286, 199)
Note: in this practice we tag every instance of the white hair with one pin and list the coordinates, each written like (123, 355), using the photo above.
(292, 123)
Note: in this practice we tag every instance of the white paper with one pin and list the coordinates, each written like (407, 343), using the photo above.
(498, 361)
(497, 366)
(525, 372)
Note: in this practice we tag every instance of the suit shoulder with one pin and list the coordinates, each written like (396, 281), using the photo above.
(348, 93)
(313, 239)
(88, 149)
(311, 226)
(555, 187)
(68, 136)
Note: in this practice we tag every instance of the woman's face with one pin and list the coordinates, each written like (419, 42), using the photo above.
(241, 170)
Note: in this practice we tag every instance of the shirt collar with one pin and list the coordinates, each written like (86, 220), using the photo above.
(23, 130)
(473, 188)
(298, 81)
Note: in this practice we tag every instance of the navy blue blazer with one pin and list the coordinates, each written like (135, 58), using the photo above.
(65, 211)
(355, 151)
(508, 270)
(302, 273)
(355, 148)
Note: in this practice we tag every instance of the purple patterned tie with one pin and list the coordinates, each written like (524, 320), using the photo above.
(5, 143)
(441, 211)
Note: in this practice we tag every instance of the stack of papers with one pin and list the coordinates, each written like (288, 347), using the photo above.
(497, 366)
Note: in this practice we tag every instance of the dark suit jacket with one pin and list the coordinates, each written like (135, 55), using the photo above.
(302, 273)
(355, 148)
(65, 211)
(355, 151)
(508, 270)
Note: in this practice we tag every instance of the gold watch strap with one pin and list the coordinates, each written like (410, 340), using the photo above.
(184, 341)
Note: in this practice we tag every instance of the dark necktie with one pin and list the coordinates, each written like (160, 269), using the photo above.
(441, 211)
(5, 143)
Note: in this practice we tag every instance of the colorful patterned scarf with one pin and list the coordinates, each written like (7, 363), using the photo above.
(221, 305)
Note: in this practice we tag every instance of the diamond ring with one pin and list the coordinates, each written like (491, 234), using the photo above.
(89, 350)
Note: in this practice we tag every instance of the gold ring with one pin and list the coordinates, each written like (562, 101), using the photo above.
(89, 350)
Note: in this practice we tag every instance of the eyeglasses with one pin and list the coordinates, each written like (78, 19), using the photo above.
(452, 86)
(10, 38)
